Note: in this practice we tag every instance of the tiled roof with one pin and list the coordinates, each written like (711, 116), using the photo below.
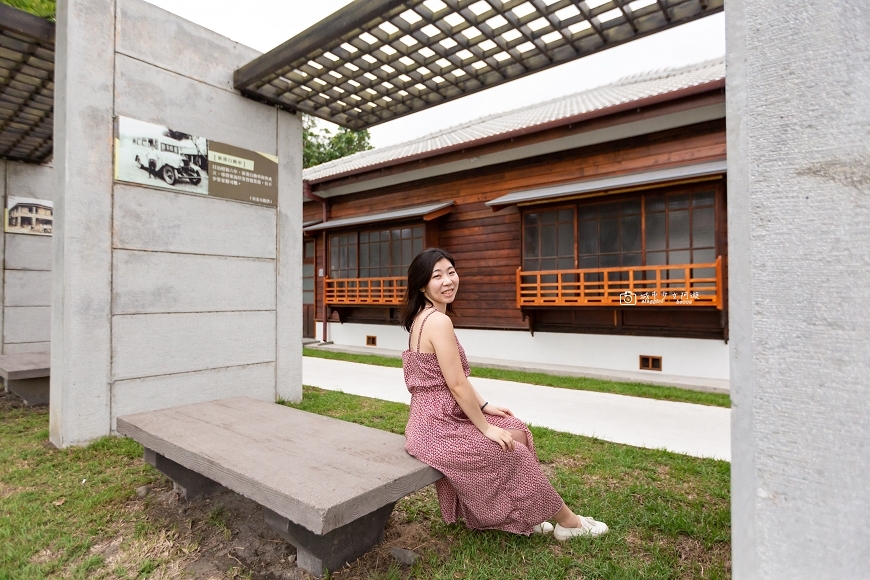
(627, 90)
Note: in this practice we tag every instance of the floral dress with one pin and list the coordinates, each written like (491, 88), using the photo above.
(487, 487)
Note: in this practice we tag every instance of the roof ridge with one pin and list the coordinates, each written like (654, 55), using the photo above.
(623, 81)
(666, 72)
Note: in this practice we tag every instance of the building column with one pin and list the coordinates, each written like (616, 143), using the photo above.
(799, 208)
(288, 360)
(82, 237)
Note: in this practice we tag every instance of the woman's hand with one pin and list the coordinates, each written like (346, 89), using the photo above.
(497, 411)
(500, 436)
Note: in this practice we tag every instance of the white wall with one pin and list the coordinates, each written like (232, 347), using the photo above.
(26, 273)
(688, 357)
(163, 298)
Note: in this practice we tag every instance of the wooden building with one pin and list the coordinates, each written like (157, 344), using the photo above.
(589, 230)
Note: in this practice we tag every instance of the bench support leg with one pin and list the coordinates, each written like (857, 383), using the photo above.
(32, 391)
(314, 553)
(189, 483)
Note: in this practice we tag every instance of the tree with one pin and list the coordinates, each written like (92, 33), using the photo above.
(42, 8)
(320, 147)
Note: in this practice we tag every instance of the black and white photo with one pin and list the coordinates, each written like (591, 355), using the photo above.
(157, 156)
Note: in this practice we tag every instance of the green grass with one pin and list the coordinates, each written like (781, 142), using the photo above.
(669, 514)
(579, 383)
(53, 503)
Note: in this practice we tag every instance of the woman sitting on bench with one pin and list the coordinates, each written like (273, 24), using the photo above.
(492, 478)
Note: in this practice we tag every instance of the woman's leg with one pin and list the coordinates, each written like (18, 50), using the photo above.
(566, 518)
(518, 436)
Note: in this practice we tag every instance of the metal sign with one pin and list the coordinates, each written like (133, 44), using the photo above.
(157, 156)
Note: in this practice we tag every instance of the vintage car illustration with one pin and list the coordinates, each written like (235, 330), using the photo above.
(168, 159)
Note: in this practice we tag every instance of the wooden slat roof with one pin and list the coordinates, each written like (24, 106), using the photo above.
(26, 86)
(377, 60)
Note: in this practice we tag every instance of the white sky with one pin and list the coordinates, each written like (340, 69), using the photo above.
(264, 24)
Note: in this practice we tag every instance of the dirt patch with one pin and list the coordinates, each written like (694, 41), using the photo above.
(223, 536)
(695, 559)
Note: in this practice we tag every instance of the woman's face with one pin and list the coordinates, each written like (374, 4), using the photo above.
(443, 284)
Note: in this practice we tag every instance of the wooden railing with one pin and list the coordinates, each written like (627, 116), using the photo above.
(674, 285)
(387, 290)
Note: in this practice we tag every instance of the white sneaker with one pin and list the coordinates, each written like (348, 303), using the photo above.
(588, 527)
(543, 528)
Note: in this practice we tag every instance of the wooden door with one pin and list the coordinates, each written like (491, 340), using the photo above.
(308, 293)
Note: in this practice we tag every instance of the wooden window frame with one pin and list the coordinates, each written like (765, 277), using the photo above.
(652, 360)
(717, 186)
(542, 209)
(388, 228)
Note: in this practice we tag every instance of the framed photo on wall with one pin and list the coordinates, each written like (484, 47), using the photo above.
(27, 215)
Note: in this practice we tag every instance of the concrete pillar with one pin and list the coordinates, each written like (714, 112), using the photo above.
(3, 181)
(799, 240)
(288, 367)
(82, 241)
(150, 308)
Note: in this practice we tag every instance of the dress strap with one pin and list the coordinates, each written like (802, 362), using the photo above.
(420, 335)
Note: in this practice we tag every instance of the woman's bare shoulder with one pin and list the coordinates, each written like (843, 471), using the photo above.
(439, 322)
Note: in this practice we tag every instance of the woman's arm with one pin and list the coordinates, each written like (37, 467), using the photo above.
(439, 333)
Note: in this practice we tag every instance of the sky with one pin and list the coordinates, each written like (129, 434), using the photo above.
(264, 24)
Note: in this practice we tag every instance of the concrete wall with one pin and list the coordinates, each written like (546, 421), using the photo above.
(685, 357)
(163, 298)
(799, 245)
(25, 320)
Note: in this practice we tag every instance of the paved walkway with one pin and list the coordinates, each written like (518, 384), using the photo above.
(647, 377)
(696, 430)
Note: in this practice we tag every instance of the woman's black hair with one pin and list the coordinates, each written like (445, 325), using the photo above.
(419, 274)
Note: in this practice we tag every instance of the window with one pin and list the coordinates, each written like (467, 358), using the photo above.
(381, 253)
(665, 228)
(549, 240)
(342, 255)
(681, 229)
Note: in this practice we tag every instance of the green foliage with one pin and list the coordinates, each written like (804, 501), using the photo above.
(320, 147)
(43, 8)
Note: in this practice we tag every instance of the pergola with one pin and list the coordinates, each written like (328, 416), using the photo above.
(378, 60)
(26, 86)
(370, 62)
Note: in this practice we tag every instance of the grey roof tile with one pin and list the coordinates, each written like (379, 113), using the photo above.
(629, 89)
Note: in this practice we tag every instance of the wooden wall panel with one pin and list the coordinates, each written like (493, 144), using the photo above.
(487, 244)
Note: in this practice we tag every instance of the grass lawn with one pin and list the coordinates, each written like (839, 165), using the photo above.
(74, 513)
(580, 383)
(668, 513)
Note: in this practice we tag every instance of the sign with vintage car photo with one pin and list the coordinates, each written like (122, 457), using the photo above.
(157, 156)
(27, 215)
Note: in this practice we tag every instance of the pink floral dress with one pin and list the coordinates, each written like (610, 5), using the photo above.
(485, 486)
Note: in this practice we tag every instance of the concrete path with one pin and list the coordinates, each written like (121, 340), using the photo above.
(645, 377)
(695, 430)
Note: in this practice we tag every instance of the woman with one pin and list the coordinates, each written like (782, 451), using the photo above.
(492, 479)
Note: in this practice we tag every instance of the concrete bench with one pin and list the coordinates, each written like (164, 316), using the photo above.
(27, 375)
(326, 486)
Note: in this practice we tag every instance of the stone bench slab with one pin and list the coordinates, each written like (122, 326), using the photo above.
(27, 375)
(318, 478)
(28, 365)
